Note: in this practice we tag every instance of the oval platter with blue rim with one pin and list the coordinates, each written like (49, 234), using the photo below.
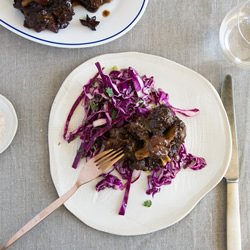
(123, 16)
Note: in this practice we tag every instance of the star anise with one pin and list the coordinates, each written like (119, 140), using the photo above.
(90, 22)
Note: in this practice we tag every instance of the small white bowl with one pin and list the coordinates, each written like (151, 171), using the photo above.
(8, 119)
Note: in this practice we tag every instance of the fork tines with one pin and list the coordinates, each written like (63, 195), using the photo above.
(107, 158)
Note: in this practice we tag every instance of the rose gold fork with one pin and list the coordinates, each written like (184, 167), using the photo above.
(93, 168)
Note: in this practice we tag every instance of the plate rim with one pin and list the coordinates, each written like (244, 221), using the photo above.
(14, 115)
(211, 185)
(78, 45)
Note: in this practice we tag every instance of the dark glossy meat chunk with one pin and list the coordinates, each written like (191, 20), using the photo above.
(119, 137)
(91, 5)
(150, 142)
(176, 135)
(162, 117)
(146, 164)
(158, 147)
(52, 14)
(168, 145)
(141, 127)
(45, 14)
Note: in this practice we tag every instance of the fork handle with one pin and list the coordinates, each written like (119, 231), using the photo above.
(42, 215)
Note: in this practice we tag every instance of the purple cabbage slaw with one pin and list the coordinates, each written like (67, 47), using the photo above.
(115, 99)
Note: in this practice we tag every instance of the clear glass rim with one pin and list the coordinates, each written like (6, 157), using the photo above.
(241, 33)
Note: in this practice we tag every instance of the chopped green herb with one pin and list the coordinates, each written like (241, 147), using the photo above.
(95, 84)
(114, 68)
(113, 114)
(147, 203)
(99, 143)
(97, 99)
(97, 128)
(94, 147)
(110, 92)
(80, 150)
(82, 156)
(189, 165)
(73, 138)
(93, 106)
(141, 103)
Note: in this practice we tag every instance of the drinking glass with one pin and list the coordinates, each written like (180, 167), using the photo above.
(235, 35)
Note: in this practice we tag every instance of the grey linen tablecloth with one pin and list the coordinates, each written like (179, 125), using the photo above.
(30, 76)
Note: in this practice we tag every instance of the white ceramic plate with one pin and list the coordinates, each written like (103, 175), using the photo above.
(208, 135)
(123, 16)
(8, 123)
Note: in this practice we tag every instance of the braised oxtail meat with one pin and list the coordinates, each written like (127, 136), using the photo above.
(91, 5)
(149, 142)
(45, 14)
(162, 118)
(176, 135)
(121, 138)
(141, 126)
(52, 14)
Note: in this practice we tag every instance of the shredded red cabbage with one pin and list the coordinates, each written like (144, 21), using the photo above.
(115, 99)
(126, 194)
(109, 181)
(163, 176)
